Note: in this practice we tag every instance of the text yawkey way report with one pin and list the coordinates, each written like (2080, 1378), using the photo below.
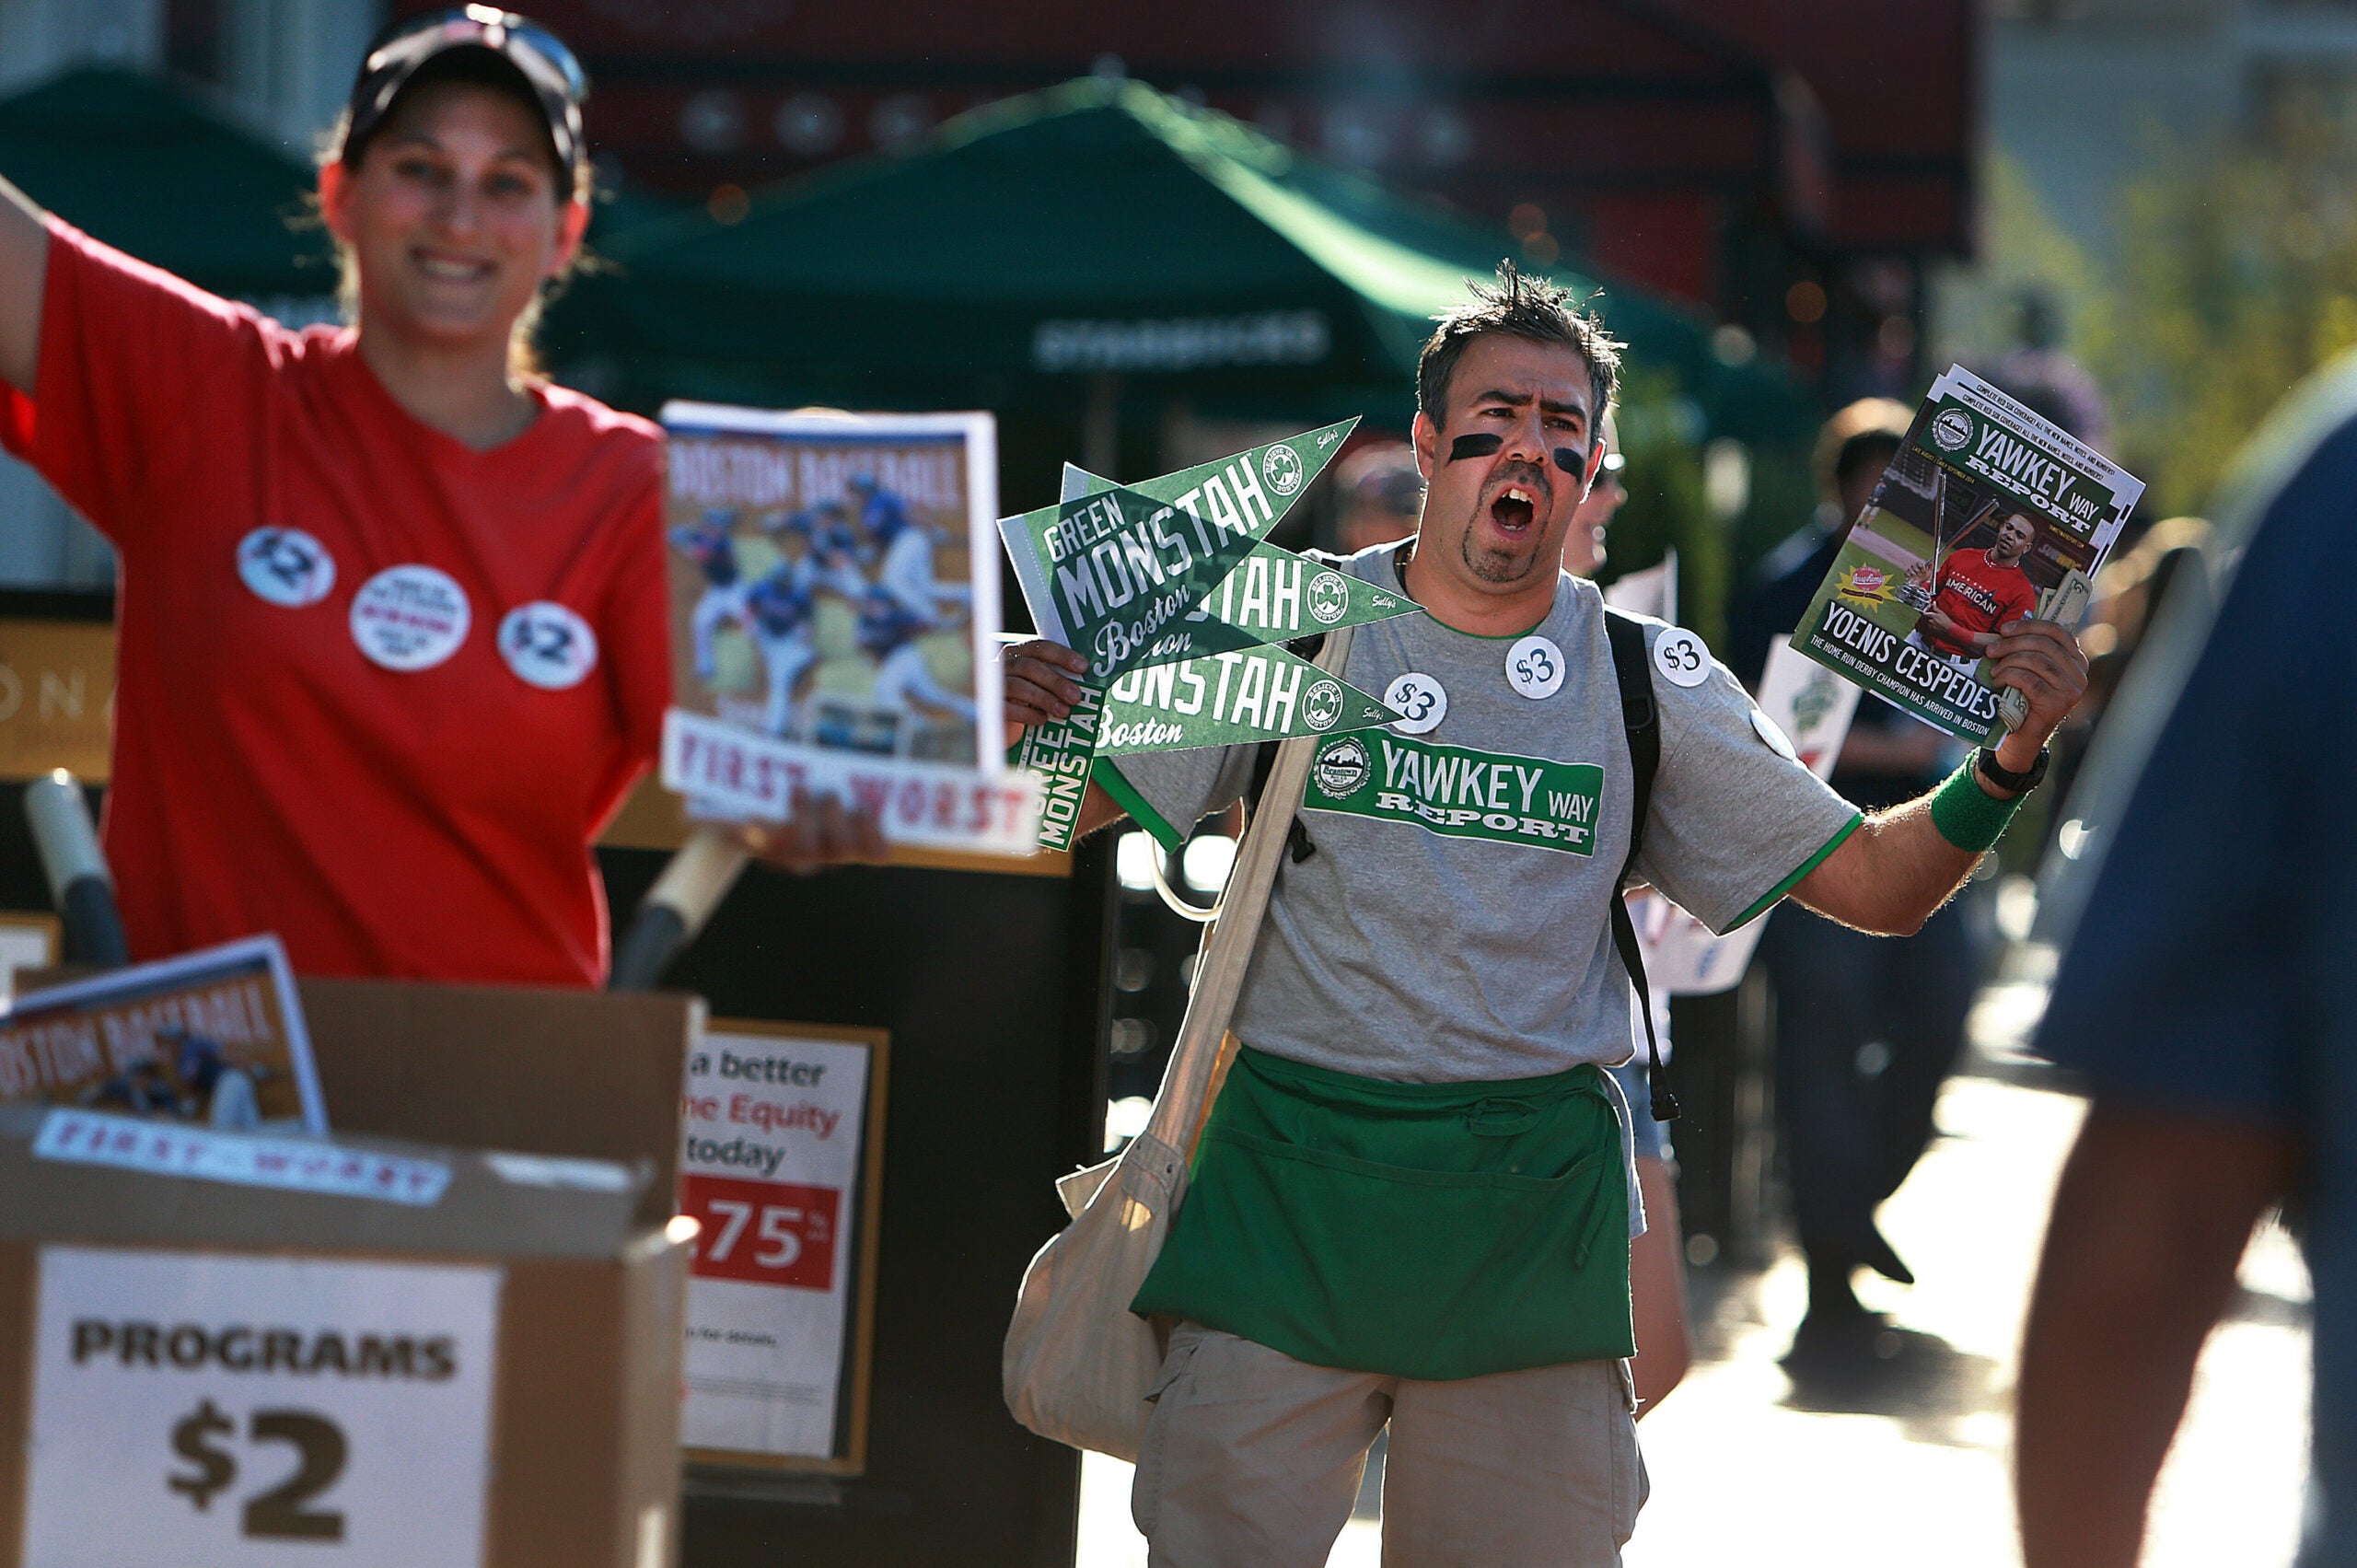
(1987, 514)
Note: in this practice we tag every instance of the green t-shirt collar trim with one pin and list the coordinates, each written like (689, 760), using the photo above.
(1789, 883)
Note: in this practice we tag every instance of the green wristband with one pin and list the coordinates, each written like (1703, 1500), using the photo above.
(1968, 815)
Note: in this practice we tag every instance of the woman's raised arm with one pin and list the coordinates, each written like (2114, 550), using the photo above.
(23, 262)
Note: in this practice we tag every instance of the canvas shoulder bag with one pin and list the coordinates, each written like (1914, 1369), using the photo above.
(1078, 1363)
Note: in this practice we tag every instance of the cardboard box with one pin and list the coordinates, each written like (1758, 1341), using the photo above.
(553, 1439)
(311, 1362)
(578, 1073)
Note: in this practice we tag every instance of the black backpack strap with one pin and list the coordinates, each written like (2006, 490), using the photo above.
(1635, 670)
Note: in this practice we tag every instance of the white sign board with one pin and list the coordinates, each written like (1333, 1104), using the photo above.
(770, 1162)
(1810, 706)
(731, 774)
(209, 1411)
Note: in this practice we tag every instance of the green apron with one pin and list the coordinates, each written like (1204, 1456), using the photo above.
(1432, 1231)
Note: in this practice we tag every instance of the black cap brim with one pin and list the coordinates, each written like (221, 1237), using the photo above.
(393, 67)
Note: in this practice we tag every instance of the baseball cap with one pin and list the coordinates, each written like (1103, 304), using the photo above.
(547, 68)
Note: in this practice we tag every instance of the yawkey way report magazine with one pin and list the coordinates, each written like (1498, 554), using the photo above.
(1988, 514)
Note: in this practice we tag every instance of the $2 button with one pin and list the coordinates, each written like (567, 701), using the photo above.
(285, 567)
(1418, 700)
(1535, 668)
(548, 645)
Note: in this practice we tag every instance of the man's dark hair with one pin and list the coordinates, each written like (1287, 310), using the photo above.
(1519, 306)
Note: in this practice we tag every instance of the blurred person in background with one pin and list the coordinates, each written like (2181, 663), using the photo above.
(1656, 1259)
(1866, 1028)
(1382, 495)
(2128, 591)
(393, 609)
(1585, 545)
(2208, 996)
(2045, 377)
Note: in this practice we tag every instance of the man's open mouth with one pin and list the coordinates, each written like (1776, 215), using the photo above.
(1514, 509)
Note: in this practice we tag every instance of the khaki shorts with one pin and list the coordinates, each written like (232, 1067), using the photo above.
(1252, 1459)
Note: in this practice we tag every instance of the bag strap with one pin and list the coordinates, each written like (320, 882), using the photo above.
(1641, 719)
(1297, 842)
(1227, 950)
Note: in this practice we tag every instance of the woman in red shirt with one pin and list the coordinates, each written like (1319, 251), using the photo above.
(392, 609)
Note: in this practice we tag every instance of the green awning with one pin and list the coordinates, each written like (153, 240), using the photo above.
(138, 164)
(1097, 227)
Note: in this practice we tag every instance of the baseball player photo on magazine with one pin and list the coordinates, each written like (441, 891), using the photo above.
(213, 1038)
(1987, 514)
(834, 587)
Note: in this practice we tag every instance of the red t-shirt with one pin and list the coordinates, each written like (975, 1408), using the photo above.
(392, 791)
(1978, 595)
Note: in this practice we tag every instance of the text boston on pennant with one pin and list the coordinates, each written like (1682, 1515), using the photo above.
(1106, 573)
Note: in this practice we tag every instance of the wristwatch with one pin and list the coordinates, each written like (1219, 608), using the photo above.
(1985, 763)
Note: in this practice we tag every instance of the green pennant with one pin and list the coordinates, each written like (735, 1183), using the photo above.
(1288, 467)
(1231, 698)
(1276, 595)
(1061, 754)
(1109, 574)
(1272, 596)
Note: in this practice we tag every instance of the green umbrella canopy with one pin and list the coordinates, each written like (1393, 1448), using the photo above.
(1096, 227)
(133, 162)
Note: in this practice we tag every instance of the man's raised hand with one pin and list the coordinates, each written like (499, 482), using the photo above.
(1038, 685)
(2043, 661)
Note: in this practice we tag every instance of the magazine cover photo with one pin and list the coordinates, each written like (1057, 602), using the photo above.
(1987, 515)
(822, 575)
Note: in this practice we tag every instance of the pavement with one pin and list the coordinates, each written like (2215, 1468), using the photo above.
(1908, 1459)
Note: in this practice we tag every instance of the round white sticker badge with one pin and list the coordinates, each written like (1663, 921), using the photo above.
(410, 618)
(1773, 736)
(1419, 701)
(1535, 668)
(547, 644)
(285, 567)
(1681, 657)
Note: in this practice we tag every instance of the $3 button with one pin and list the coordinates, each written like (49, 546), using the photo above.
(1681, 657)
(1418, 700)
(1535, 668)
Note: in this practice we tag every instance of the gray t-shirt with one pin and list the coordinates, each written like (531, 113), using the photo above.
(1453, 924)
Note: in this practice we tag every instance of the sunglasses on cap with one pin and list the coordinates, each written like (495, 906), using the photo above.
(547, 67)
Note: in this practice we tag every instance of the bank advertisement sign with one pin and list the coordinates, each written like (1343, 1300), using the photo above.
(780, 1144)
